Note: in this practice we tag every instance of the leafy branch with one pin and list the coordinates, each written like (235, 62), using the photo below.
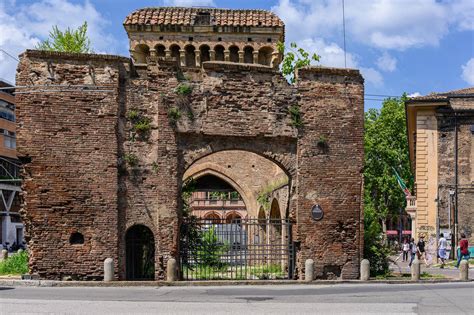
(295, 58)
(70, 40)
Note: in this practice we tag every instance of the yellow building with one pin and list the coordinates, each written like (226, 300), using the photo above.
(441, 142)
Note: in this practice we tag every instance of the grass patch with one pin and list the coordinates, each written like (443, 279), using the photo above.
(15, 265)
(406, 276)
(225, 272)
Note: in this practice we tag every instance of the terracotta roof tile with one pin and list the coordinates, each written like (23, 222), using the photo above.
(442, 96)
(185, 16)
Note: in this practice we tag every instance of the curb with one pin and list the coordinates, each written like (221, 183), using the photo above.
(54, 283)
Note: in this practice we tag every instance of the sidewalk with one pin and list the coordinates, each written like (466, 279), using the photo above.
(449, 271)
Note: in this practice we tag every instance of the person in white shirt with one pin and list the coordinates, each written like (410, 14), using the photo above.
(406, 249)
(442, 245)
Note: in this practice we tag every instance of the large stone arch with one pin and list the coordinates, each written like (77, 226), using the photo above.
(280, 151)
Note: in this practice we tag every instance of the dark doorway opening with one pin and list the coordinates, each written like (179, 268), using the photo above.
(140, 253)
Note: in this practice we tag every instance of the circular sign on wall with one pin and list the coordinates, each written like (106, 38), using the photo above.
(317, 212)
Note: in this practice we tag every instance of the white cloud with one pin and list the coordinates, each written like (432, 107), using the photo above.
(23, 26)
(468, 71)
(332, 55)
(415, 94)
(189, 3)
(372, 76)
(382, 24)
(386, 62)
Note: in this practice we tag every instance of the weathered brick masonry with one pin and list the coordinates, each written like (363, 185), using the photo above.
(76, 144)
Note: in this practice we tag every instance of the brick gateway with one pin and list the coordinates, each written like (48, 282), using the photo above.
(107, 142)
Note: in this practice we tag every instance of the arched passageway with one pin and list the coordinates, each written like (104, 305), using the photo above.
(265, 56)
(234, 54)
(140, 253)
(205, 53)
(190, 56)
(160, 51)
(175, 52)
(141, 52)
(219, 51)
(248, 54)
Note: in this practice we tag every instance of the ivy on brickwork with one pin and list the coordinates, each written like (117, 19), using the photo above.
(140, 124)
(131, 159)
(184, 89)
(174, 114)
(295, 115)
(264, 195)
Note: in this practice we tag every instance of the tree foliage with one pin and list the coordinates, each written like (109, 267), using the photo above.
(386, 147)
(295, 58)
(70, 40)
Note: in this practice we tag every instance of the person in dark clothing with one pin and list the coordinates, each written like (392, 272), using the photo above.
(463, 249)
(413, 251)
(421, 249)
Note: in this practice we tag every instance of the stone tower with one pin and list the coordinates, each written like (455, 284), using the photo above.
(194, 35)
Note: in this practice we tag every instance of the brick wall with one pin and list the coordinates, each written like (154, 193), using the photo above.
(79, 144)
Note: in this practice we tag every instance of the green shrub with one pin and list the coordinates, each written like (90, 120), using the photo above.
(15, 265)
(131, 159)
(295, 115)
(211, 249)
(143, 125)
(184, 89)
(375, 250)
(133, 115)
(174, 114)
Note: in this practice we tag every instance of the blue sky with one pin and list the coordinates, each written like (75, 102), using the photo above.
(413, 46)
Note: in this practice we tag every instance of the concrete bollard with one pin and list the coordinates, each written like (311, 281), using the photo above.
(4, 254)
(415, 270)
(108, 270)
(308, 270)
(464, 270)
(364, 270)
(171, 268)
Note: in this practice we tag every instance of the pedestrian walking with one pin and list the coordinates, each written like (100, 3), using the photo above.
(421, 249)
(463, 249)
(413, 251)
(405, 249)
(442, 245)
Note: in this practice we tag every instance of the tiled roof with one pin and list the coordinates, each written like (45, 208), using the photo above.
(185, 16)
(442, 96)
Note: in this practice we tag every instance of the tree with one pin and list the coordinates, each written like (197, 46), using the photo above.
(386, 148)
(71, 40)
(294, 59)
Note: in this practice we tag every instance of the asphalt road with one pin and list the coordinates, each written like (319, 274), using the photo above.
(442, 298)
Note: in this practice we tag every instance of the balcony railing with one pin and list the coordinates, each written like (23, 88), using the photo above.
(219, 203)
(411, 204)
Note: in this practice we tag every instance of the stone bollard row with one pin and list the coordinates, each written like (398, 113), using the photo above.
(464, 270)
(4, 254)
(308, 270)
(171, 270)
(364, 270)
(108, 270)
(415, 270)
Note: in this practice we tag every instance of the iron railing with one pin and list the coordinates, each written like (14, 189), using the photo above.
(245, 249)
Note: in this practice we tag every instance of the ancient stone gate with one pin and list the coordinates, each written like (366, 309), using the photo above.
(107, 142)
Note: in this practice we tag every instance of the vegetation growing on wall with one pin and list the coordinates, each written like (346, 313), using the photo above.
(295, 115)
(294, 58)
(174, 114)
(131, 159)
(264, 195)
(70, 40)
(140, 123)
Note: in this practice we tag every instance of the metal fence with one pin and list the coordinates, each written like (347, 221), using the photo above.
(245, 249)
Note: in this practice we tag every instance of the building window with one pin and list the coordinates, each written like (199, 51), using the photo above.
(76, 239)
(9, 139)
(203, 18)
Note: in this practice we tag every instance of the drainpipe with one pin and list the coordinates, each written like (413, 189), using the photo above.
(456, 130)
